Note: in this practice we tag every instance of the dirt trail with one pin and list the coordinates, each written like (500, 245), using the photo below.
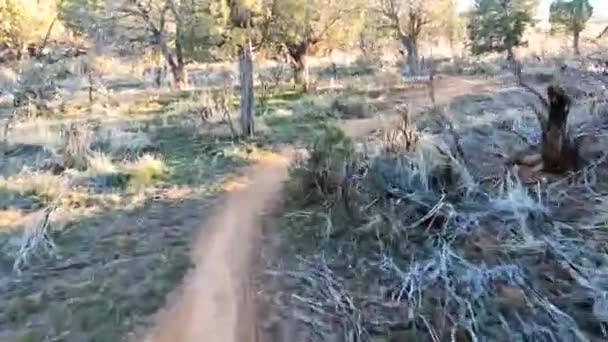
(214, 302)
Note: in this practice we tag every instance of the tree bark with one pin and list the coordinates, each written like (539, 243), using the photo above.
(180, 77)
(411, 46)
(576, 42)
(300, 72)
(247, 96)
(176, 64)
(559, 154)
(510, 53)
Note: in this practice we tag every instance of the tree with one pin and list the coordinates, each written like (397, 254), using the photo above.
(409, 19)
(181, 31)
(498, 25)
(24, 22)
(453, 25)
(571, 15)
(248, 31)
(168, 24)
(299, 26)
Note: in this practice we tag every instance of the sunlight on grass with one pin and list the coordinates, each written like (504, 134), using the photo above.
(9, 219)
(44, 186)
(145, 170)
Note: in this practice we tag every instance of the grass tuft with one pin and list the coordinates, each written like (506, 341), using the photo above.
(146, 170)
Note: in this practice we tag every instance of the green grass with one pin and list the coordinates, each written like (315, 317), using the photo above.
(195, 160)
(284, 98)
(286, 127)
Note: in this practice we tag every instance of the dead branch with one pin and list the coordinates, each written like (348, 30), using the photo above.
(517, 70)
(603, 33)
(37, 240)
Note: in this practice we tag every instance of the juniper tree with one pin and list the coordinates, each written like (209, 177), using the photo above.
(300, 26)
(409, 19)
(571, 16)
(498, 25)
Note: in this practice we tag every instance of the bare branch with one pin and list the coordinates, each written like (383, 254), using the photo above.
(603, 33)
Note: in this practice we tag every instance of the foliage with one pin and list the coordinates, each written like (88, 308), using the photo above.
(324, 23)
(570, 14)
(498, 25)
(450, 23)
(415, 17)
(81, 16)
(297, 28)
(25, 21)
(408, 19)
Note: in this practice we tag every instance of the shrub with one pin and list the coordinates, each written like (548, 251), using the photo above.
(324, 170)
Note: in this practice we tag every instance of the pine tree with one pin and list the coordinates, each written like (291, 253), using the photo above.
(498, 25)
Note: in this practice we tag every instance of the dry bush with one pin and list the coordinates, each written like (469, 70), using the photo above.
(77, 147)
(36, 241)
(35, 88)
(278, 74)
(402, 139)
(263, 93)
(322, 173)
(435, 254)
(120, 141)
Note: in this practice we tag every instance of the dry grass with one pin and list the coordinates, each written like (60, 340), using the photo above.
(43, 185)
(145, 170)
(119, 141)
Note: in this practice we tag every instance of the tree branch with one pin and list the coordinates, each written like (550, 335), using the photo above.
(604, 31)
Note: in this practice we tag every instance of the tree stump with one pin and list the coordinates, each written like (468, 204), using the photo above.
(559, 153)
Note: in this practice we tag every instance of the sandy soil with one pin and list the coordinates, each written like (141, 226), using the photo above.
(215, 302)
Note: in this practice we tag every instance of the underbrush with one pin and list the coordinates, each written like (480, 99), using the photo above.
(409, 246)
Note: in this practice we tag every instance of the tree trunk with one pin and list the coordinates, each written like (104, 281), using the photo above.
(577, 39)
(300, 72)
(411, 46)
(509, 48)
(246, 80)
(559, 154)
(510, 54)
(180, 77)
(176, 64)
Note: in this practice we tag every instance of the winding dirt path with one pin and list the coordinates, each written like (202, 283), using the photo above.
(214, 303)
